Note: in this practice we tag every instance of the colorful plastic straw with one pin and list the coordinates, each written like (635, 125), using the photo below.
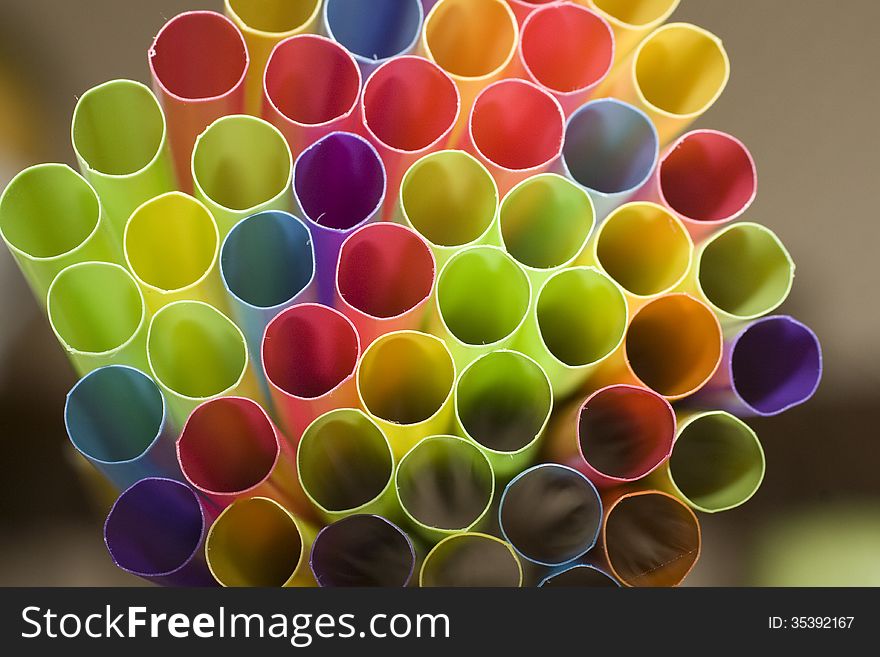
(242, 165)
(267, 264)
(362, 550)
(311, 88)
(610, 149)
(156, 530)
(384, 280)
(115, 417)
(551, 514)
(472, 560)
(198, 62)
(618, 435)
(339, 183)
(98, 315)
(483, 299)
(376, 31)
(128, 162)
(405, 382)
(346, 467)
(707, 178)
(445, 485)
(257, 542)
(451, 200)
(522, 8)
(503, 402)
(773, 364)
(577, 322)
(742, 272)
(170, 245)
(264, 23)
(310, 353)
(50, 218)
(516, 129)
(197, 353)
(675, 75)
(649, 538)
(408, 110)
(545, 223)
(631, 20)
(565, 49)
(579, 576)
(717, 463)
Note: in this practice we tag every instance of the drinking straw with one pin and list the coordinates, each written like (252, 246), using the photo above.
(339, 184)
(264, 23)
(198, 62)
(241, 165)
(384, 279)
(376, 31)
(742, 272)
(482, 301)
(545, 222)
(362, 550)
(115, 417)
(311, 88)
(707, 178)
(618, 435)
(50, 218)
(196, 353)
(405, 382)
(516, 129)
(565, 49)
(717, 463)
(645, 249)
(98, 315)
(577, 322)
(472, 40)
(451, 200)
(408, 110)
(156, 530)
(503, 402)
(675, 75)
(310, 353)
(127, 162)
(523, 8)
(579, 576)
(445, 485)
(649, 538)
(771, 365)
(267, 264)
(610, 149)
(471, 559)
(551, 514)
(346, 467)
(631, 20)
(256, 542)
(170, 245)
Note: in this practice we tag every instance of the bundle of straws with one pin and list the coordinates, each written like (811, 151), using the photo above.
(390, 292)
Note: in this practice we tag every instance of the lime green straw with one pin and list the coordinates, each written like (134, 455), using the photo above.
(471, 559)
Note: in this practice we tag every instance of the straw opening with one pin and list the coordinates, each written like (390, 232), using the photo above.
(376, 30)
(274, 16)
(638, 13)
(471, 560)
(579, 576)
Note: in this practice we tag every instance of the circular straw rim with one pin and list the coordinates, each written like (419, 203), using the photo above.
(650, 25)
(569, 567)
(382, 60)
(463, 535)
(244, 27)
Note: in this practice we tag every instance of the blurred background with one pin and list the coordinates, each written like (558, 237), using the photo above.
(803, 95)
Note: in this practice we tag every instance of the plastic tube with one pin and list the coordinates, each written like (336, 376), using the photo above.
(471, 559)
(98, 315)
(241, 165)
(156, 530)
(346, 467)
(579, 576)
(311, 87)
(631, 20)
(127, 162)
(310, 353)
(384, 280)
(339, 184)
(51, 218)
(405, 382)
(198, 62)
(523, 8)
(503, 402)
(115, 418)
(362, 550)
(611, 150)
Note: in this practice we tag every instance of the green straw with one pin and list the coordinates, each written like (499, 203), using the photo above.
(471, 559)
